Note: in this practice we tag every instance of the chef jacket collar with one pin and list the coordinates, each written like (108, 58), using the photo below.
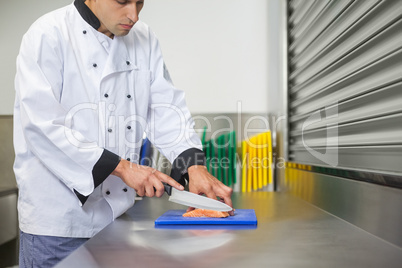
(87, 14)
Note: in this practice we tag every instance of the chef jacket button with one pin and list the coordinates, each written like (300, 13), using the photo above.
(129, 96)
(128, 127)
(109, 130)
(106, 95)
(128, 159)
(125, 190)
(84, 32)
(95, 65)
(127, 62)
(108, 192)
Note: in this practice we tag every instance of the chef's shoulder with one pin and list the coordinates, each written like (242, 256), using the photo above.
(142, 32)
(48, 25)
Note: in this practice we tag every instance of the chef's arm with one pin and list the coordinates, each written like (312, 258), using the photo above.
(184, 161)
(172, 132)
(170, 125)
(44, 123)
(145, 180)
(106, 164)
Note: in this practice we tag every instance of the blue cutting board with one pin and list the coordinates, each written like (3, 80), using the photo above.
(242, 217)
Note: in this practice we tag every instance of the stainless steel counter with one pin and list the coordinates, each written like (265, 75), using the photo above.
(290, 233)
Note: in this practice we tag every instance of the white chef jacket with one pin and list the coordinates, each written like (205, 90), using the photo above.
(79, 95)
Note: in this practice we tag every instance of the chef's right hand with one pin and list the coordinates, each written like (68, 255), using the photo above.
(143, 179)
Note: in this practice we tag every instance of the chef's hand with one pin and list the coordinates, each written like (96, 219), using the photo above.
(143, 179)
(202, 182)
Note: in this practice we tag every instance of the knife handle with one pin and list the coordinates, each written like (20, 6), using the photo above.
(168, 188)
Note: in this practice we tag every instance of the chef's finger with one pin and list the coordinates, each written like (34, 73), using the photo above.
(165, 178)
(140, 191)
(158, 188)
(228, 202)
(211, 194)
(149, 190)
(189, 209)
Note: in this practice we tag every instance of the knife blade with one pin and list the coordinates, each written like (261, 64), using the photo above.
(194, 200)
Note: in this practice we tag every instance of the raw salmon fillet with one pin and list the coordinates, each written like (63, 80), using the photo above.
(206, 213)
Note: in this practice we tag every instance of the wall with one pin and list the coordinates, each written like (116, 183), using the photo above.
(215, 50)
(7, 178)
(15, 17)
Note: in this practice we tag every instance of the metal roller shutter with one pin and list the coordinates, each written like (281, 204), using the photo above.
(345, 84)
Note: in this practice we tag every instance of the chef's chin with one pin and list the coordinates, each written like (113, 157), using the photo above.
(121, 32)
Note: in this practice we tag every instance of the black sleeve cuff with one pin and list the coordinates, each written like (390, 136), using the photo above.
(186, 159)
(101, 170)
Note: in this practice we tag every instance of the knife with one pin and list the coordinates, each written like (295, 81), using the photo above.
(194, 200)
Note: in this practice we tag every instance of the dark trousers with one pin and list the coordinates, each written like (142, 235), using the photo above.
(45, 251)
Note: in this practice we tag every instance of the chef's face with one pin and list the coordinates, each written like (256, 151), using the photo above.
(117, 17)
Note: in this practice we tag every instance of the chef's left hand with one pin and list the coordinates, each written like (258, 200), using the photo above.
(202, 182)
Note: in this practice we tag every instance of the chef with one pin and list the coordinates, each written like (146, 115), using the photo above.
(90, 82)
